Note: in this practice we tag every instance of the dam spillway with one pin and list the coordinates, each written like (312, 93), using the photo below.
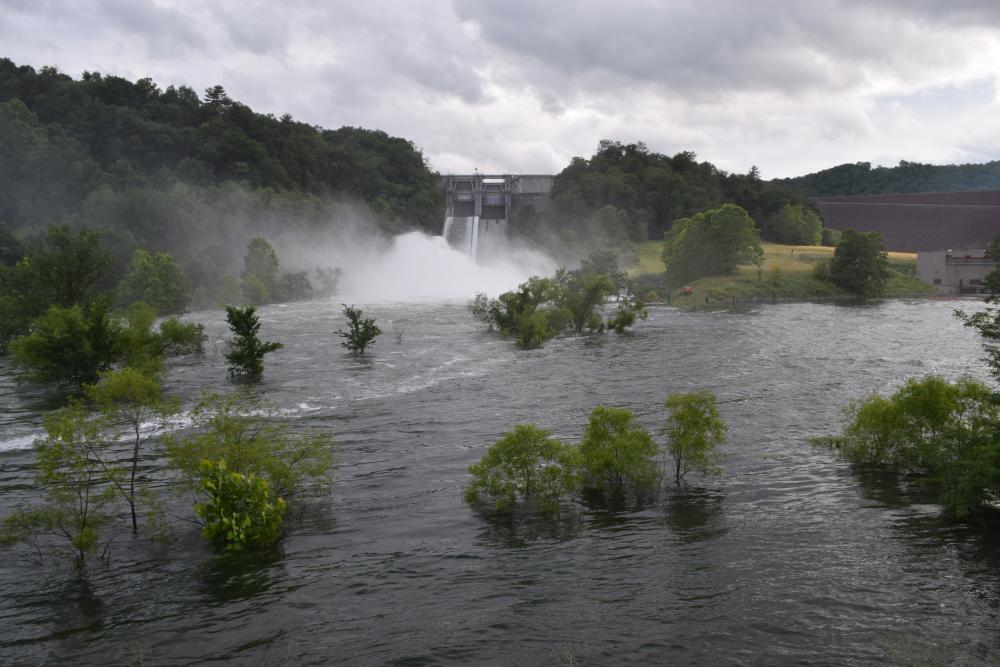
(480, 209)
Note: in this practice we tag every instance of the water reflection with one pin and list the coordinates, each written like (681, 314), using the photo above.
(230, 576)
(526, 525)
(694, 514)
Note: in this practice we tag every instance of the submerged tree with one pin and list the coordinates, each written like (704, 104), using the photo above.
(360, 332)
(246, 466)
(694, 433)
(525, 464)
(79, 481)
(134, 399)
(616, 452)
(245, 351)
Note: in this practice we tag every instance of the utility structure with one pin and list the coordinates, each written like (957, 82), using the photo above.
(479, 208)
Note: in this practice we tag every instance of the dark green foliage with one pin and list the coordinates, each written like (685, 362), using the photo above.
(860, 178)
(625, 192)
(72, 346)
(794, 225)
(694, 433)
(60, 268)
(581, 293)
(944, 431)
(260, 275)
(481, 309)
(361, 332)
(616, 453)
(73, 133)
(245, 351)
(526, 464)
(145, 349)
(860, 263)
(156, 280)
(712, 243)
(629, 310)
(69, 346)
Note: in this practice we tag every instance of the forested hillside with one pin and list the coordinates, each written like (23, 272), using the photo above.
(105, 151)
(626, 192)
(861, 178)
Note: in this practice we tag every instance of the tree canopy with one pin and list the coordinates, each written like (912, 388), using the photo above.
(627, 192)
(712, 243)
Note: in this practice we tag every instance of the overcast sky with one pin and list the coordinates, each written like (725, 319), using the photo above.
(522, 86)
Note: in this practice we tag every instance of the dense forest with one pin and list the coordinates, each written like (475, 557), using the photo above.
(168, 170)
(861, 178)
(624, 192)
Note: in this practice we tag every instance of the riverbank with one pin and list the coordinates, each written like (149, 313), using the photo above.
(788, 274)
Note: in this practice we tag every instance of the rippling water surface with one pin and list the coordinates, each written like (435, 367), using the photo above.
(789, 557)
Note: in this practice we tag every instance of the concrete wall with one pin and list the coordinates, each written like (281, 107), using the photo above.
(954, 271)
(920, 221)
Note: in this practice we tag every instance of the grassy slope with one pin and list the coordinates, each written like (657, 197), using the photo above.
(787, 275)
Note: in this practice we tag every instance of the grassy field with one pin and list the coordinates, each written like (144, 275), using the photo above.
(787, 274)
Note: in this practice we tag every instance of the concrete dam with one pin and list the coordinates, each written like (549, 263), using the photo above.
(480, 209)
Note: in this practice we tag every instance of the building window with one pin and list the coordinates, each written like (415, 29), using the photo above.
(937, 281)
(974, 281)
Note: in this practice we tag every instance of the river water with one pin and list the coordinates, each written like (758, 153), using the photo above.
(791, 556)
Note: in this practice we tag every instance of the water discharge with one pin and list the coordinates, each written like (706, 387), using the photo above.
(418, 267)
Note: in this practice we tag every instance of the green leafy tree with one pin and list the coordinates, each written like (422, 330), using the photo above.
(712, 243)
(69, 346)
(795, 224)
(239, 510)
(361, 331)
(79, 483)
(260, 275)
(943, 431)
(581, 294)
(245, 350)
(860, 263)
(481, 309)
(237, 446)
(629, 310)
(145, 349)
(135, 400)
(156, 280)
(694, 433)
(616, 453)
(525, 464)
(65, 268)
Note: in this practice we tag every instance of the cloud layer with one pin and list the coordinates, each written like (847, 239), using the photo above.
(521, 86)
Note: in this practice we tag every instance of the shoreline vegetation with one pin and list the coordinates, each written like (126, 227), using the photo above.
(787, 275)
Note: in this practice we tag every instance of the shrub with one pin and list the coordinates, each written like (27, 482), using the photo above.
(240, 510)
(616, 452)
(525, 464)
(929, 426)
(694, 433)
(360, 332)
(245, 351)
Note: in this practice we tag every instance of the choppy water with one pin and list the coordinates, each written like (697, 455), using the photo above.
(790, 557)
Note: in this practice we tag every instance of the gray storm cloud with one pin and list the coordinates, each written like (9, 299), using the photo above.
(523, 86)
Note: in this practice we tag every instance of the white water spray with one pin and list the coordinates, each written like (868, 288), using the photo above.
(418, 267)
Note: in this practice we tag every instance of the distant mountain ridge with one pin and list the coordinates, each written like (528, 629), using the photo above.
(860, 178)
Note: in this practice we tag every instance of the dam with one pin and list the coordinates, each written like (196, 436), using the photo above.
(480, 209)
